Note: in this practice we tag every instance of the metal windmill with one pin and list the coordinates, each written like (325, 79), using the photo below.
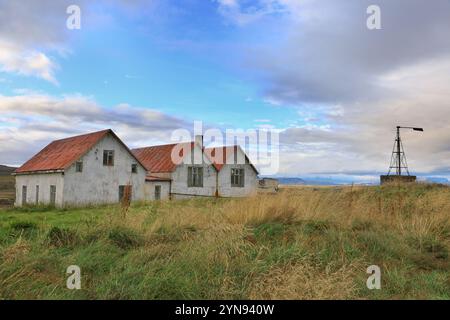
(398, 159)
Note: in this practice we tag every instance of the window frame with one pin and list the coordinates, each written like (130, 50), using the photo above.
(52, 195)
(195, 177)
(134, 168)
(237, 176)
(108, 158)
(158, 192)
(79, 166)
(24, 195)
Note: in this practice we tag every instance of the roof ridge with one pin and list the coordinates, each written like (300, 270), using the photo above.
(82, 135)
(163, 145)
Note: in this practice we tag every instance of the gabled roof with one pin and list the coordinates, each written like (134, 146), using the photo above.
(220, 160)
(59, 155)
(158, 158)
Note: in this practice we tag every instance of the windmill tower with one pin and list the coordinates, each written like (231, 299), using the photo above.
(398, 168)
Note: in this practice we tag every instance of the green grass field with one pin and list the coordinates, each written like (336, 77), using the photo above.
(7, 190)
(304, 243)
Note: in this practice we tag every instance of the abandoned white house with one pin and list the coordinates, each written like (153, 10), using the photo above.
(93, 168)
(221, 172)
(99, 168)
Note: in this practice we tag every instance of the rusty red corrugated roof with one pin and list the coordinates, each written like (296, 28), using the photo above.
(158, 158)
(61, 154)
(220, 159)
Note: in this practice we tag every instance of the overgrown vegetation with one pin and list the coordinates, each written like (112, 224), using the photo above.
(302, 243)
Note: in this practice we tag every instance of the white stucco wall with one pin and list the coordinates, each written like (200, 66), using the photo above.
(44, 181)
(179, 177)
(98, 184)
(250, 181)
(150, 189)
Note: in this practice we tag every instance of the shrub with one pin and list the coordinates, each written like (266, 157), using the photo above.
(23, 225)
(60, 237)
(269, 230)
(124, 238)
(316, 227)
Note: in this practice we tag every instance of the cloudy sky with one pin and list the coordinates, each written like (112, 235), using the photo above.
(310, 69)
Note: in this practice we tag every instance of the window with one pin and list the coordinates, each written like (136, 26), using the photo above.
(237, 178)
(24, 195)
(195, 177)
(79, 166)
(52, 195)
(37, 194)
(134, 168)
(125, 193)
(108, 157)
(157, 192)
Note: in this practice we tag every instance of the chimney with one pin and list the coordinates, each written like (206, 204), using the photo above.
(199, 141)
(198, 155)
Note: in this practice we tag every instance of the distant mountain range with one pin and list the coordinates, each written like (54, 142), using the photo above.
(5, 170)
(336, 181)
(291, 181)
(319, 181)
(434, 180)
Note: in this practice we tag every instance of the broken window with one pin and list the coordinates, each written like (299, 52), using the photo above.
(52, 195)
(79, 166)
(157, 192)
(134, 168)
(195, 177)
(24, 195)
(108, 157)
(237, 178)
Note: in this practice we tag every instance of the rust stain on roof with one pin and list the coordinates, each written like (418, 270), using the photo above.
(219, 155)
(159, 158)
(61, 154)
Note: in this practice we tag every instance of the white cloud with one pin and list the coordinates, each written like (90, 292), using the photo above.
(33, 34)
(244, 12)
(15, 59)
(28, 122)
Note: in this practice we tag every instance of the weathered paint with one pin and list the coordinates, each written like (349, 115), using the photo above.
(179, 177)
(99, 184)
(44, 181)
(150, 189)
(96, 184)
(250, 178)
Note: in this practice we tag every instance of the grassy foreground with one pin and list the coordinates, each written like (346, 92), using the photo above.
(303, 243)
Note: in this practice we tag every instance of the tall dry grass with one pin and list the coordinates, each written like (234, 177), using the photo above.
(301, 243)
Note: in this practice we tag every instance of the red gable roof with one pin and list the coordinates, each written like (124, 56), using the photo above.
(219, 160)
(158, 158)
(61, 154)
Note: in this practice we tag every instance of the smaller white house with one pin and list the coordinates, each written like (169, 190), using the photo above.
(95, 168)
(187, 170)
